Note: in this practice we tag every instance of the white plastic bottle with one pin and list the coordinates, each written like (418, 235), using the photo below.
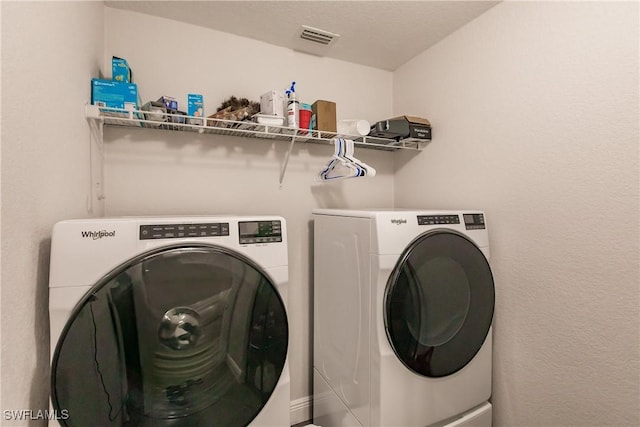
(292, 107)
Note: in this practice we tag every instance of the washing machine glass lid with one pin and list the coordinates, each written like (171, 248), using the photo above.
(191, 335)
(439, 303)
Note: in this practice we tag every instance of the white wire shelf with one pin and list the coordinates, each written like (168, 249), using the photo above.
(178, 122)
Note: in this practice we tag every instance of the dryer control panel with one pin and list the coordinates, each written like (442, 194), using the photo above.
(474, 221)
(438, 219)
(176, 231)
(259, 232)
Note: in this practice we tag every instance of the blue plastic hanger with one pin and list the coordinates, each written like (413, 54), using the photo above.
(343, 165)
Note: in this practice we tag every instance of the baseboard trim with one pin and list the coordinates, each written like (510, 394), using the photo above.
(300, 410)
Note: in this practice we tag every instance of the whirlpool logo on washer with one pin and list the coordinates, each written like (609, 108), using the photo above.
(95, 235)
(398, 221)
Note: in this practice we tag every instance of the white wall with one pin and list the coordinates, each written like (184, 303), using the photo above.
(535, 114)
(46, 67)
(154, 172)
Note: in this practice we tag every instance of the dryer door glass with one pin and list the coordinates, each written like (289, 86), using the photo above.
(181, 336)
(439, 303)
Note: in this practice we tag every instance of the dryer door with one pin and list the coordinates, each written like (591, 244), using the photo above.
(439, 303)
(191, 335)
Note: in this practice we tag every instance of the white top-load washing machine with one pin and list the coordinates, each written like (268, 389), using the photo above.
(403, 307)
(170, 321)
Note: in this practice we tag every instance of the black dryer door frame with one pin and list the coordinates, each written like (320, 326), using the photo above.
(439, 303)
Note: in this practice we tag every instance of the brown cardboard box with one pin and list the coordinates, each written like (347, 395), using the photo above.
(419, 128)
(325, 112)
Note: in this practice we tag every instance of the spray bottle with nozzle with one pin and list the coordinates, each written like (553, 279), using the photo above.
(292, 106)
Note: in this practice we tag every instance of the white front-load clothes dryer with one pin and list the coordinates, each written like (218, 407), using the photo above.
(170, 321)
(403, 308)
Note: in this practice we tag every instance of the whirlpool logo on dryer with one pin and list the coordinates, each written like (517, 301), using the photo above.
(95, 235)
(398, 221)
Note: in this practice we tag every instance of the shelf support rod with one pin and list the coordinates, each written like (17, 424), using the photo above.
(286, 159)
(96, 156)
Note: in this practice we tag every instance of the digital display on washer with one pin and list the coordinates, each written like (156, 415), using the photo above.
(260, 232)
(474, 221)
(176, 231)
(438, 219)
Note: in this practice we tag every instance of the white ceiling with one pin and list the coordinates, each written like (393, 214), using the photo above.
(381, 34)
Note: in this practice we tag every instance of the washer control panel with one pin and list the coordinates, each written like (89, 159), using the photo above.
(474, 221)
(438, 219)
(176, 231)
(259, 232)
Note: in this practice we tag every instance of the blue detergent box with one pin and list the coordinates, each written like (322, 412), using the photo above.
(120, 70)
(113, 94)
(195, 108)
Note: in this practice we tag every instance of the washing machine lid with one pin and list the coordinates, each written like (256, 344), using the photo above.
(439, 303)
(181, 335)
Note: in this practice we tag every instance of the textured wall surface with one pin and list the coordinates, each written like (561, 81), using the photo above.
(170, 173)
(535, 114)
(50, 50)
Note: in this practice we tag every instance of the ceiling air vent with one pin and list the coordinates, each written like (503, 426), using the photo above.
(318, 36)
